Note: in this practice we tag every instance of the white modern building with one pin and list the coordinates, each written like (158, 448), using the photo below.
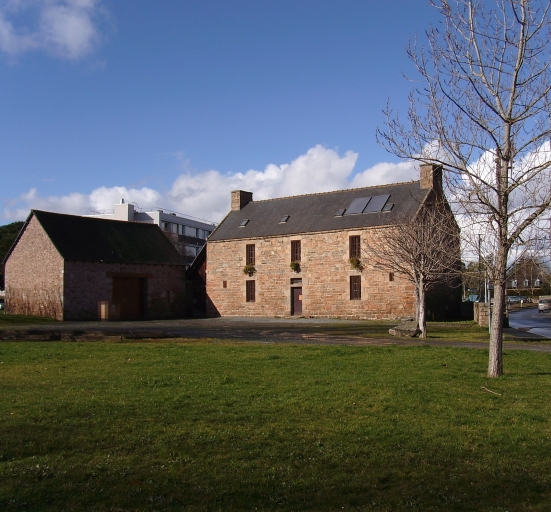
(188, 234)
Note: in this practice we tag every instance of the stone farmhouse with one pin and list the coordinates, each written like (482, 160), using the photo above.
(81, 268)
(307, 255)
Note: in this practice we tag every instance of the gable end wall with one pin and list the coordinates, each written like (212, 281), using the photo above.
(34, 275)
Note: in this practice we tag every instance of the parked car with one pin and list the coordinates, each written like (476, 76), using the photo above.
(1, 303)
(544, 305)
(513, 300)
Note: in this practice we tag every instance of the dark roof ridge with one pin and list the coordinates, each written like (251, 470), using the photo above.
(336, 191)
(92, 239)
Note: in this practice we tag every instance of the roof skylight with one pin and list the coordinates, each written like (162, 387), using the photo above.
(357, 205)
(376, 204)
(244, 223)
(367, 205)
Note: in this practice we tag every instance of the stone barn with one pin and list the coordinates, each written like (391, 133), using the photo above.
(81, 268)
(307, 255)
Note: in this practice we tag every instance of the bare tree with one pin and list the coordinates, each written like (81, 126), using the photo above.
(472, 277)
(424, 249)
(484, 113)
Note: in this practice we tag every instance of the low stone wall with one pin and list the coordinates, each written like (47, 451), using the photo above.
(481, 314)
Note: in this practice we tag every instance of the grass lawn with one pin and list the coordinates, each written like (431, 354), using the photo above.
(459, 331)
(236, 426)
(466, 330)
(456, 331)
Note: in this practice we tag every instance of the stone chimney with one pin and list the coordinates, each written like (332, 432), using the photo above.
(240, 198)
(430, 176)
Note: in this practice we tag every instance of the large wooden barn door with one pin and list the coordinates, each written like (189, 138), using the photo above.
(296, 301)
(128, 294)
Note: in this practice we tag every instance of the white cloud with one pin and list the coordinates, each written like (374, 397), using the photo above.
(18, 209)
(319, 170)
(68, 29)
(207, 194)
(101, 198)
(104, 198)
(385, 172)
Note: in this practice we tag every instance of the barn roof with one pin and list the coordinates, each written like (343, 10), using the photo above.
(107, 241)
(329, 211)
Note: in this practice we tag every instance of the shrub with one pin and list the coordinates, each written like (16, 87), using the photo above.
(355, 263)
(249, 269)
(295, 266)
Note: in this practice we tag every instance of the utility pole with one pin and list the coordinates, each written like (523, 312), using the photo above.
(479, 267)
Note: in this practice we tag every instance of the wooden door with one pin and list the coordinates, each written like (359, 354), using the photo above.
(296, 301)
(128, 294)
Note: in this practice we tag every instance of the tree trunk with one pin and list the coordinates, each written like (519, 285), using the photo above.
(417, 302)
(495, 362)
(422, 312)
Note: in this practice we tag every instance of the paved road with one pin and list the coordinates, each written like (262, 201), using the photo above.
(531, 320)
(263, 330)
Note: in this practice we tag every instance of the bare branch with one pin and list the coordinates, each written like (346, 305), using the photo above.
(484, 114)
(424, 249)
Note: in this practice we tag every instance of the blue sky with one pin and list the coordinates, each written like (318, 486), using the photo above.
(175, 103)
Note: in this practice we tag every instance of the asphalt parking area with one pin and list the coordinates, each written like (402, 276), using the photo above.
(260, 330)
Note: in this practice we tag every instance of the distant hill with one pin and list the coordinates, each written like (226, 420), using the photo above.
(8, 233)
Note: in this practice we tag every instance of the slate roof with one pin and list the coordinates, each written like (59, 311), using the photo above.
(108, 241)
(316, 212)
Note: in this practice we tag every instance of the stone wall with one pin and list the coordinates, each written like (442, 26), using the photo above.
(39, 282)
(481, 316)
(34, 275)
(325, 272)
(86, 284)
